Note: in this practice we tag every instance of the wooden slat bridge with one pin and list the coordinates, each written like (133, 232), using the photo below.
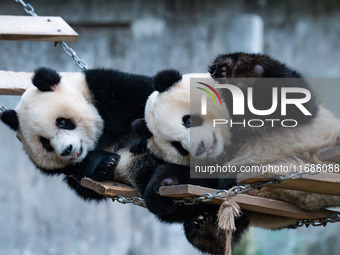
(55, 29)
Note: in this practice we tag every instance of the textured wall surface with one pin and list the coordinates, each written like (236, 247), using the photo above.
(39, 215)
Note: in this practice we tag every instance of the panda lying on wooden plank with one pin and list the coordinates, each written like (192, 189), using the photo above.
(182, 135)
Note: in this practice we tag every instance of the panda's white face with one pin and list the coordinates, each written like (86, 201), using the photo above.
(57, 128)
(179, 130)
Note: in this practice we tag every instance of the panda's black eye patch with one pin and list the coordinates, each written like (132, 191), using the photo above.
(192, 121)
(46, 144)
(64, 123)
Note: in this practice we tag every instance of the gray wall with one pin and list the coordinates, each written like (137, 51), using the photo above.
(39, 215)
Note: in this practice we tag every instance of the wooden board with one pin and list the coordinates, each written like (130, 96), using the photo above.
(28, 28)
(109, 188)
(15, 83)
(250, 203)
(327, 183)
(331, 154)
(247, 202)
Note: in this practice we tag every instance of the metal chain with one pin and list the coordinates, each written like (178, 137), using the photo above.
(240, 189)
(130, 200)
(27, 7)
(318, 222)
(68, 50)
(2, 109)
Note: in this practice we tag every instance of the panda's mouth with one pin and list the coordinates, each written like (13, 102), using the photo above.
(212, 147)
(204, 150)
(77, 154)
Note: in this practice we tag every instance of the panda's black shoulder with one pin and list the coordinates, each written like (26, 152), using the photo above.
(103, 78)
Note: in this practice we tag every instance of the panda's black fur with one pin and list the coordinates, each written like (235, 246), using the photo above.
(200, 220)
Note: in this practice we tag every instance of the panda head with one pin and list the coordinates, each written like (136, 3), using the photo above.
(173, 116)
(56, 120)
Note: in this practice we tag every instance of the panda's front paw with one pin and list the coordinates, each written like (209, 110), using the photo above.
(164, 208)
(202, 232)
(101, 166)
(238, 65)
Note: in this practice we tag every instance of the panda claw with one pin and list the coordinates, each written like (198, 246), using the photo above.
(200, 218)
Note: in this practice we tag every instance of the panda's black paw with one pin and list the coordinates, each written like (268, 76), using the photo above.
(237, 65)
(100, 166)
(162, 207)
(202, 232)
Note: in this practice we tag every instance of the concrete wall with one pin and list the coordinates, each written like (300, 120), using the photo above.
(39, 215)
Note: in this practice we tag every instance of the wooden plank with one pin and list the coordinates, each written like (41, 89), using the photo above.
(247, 202)
(326, 183)
(331, 154)
(28, 28)
(15, 83)
(109, 188)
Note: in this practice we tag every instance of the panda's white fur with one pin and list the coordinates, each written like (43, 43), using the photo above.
(37, 112)
(288, 146)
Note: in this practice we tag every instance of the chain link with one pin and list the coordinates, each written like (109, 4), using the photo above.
(130, 200)
(2, 109)
(27, 7)
(317, 222)
(68, 50)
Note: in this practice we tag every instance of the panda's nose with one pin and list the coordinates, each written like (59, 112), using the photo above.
(200, 149)
(67, 151)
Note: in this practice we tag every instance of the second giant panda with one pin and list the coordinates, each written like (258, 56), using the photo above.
(181, 134)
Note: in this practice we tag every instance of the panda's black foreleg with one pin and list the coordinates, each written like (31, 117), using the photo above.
(164, 208)
(202, 231)
(246, 70)
(98, 165)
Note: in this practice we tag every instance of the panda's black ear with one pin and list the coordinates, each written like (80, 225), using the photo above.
(140, 128)
(163, 80)
(10, 118)
(45, 78)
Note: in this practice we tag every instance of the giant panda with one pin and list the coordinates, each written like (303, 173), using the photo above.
(170, 115)
(80, 125)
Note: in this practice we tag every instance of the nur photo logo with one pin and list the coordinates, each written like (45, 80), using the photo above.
(204, 98)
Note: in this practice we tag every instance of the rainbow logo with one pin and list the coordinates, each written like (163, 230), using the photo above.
(209, 93)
